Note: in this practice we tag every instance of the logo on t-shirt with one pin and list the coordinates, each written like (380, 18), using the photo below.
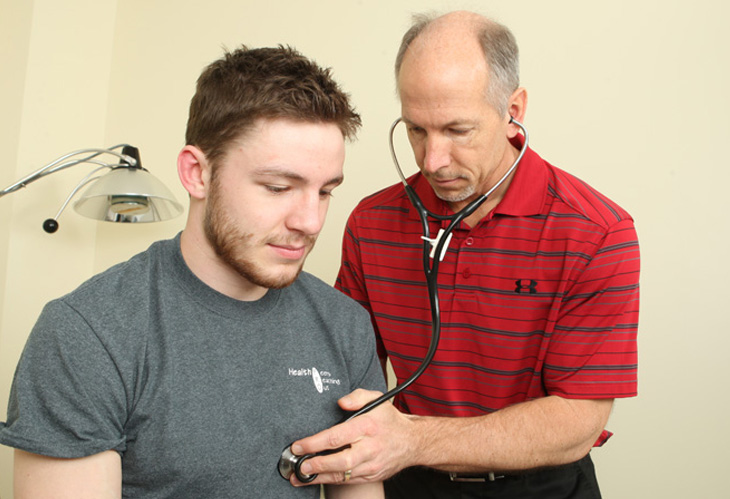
(321, 379)
(317, 380)
(526, 286)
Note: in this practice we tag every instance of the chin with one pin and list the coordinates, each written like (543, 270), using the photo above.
(278, 281)
(454, 197)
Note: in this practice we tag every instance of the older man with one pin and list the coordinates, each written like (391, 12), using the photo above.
(539, 294)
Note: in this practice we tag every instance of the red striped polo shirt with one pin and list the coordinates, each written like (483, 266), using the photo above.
(540, 298)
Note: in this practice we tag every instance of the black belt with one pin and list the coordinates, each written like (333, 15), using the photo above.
(468, 477)
(492, 477)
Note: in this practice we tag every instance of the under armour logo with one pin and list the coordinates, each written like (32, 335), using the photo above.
(526, 286)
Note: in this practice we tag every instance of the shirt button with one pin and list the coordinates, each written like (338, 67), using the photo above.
(469, 241)
(466, 274)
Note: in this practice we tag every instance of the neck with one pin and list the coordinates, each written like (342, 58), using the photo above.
(203, 261)
(497, 195)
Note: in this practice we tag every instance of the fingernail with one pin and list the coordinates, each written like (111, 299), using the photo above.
(297, 450)
(306, 468)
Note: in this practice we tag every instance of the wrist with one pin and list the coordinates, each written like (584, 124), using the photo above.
(419, 440)
(437, 442)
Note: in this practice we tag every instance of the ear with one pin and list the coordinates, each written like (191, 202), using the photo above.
(194, 171)
(516, 109)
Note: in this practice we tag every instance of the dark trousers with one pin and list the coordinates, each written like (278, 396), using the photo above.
(571, 481)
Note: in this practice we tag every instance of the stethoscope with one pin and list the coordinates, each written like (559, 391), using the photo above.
(434, 250)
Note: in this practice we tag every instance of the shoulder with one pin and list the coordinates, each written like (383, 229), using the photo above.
(312, 286)
(391, 196)
(320, 296)
(121, 280)
(573, 196)
(117, 299)
(381, 215)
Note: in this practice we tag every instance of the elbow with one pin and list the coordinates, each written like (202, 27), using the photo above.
(592, 416)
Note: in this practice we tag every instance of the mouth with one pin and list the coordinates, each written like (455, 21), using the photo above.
(447, 183)
(290, 252)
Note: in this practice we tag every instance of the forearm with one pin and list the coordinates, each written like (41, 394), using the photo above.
(372, 490)
(543, 432)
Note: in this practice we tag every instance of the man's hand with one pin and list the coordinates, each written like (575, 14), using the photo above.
(379, 444)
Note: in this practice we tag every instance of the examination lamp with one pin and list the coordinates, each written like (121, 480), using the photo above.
(127, 193)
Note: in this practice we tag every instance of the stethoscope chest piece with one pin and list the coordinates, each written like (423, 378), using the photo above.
(287, 463)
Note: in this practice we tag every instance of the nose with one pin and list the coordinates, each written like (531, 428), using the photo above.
(308, 214)
(437, 153)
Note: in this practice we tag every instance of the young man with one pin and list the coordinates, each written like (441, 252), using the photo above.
(185, 371)
(538, 288)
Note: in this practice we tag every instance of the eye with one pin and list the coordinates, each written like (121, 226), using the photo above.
(276, 189)
(327, 192)
(459, 132)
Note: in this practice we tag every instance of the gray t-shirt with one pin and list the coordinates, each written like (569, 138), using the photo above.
(198, 392)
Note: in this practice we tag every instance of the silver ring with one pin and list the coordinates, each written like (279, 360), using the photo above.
(347, 476)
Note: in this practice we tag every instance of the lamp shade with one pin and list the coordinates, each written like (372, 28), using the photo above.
(128, 195)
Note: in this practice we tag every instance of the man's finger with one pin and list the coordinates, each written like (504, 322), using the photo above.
(357, 399)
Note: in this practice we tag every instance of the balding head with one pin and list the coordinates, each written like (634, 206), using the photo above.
(454, 41)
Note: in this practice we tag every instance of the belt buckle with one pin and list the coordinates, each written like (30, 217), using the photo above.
(490, 477)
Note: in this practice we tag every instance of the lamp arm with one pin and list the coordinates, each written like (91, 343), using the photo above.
(50, 225)
(84, 181)
(58, 165)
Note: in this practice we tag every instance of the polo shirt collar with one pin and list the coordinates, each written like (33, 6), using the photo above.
(524, 197)
(526, 193)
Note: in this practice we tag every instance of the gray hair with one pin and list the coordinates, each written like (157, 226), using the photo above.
(500, 51)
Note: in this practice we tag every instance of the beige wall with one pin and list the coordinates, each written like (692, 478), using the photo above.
(630, 95)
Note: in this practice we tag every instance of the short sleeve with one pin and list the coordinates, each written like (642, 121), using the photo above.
(67, 398)
(593, 352)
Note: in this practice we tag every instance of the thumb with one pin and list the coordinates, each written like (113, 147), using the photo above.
(357, 399)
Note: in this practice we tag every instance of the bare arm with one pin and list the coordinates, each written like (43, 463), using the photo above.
(543, 432)
(94, 477)
(373, 490)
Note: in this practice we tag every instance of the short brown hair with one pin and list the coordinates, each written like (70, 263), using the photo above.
(249, 84)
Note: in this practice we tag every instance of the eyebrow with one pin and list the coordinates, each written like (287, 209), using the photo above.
(452, 123)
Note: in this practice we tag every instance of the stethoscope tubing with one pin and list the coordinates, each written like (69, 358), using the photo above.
(431, 268)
